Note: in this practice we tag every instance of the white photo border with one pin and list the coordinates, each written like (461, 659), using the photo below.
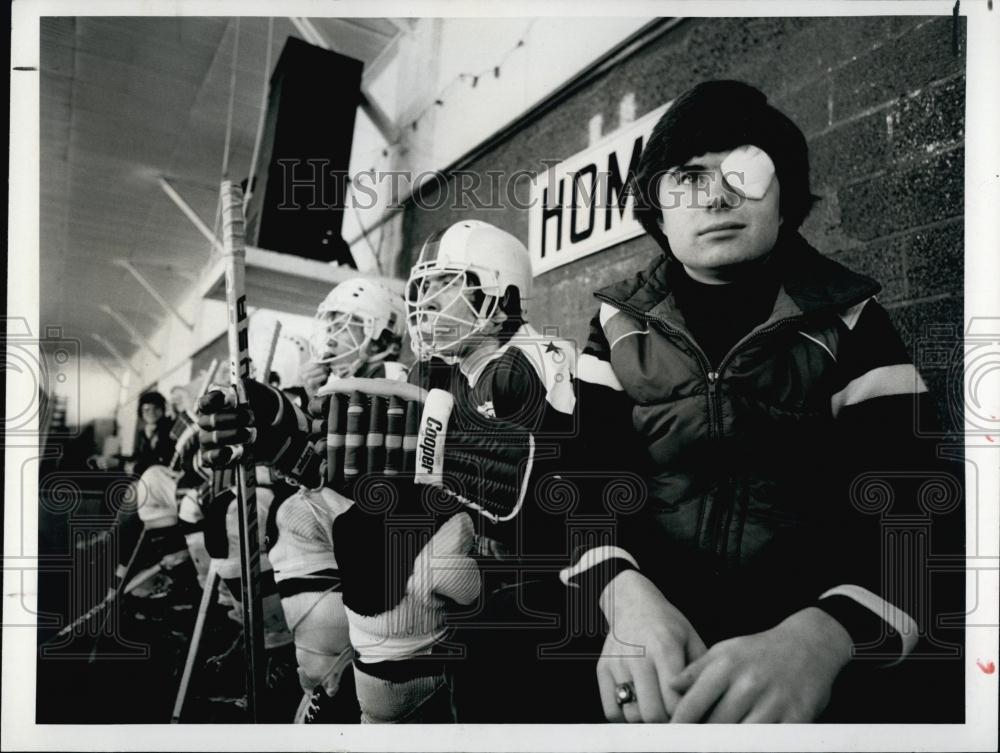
(982, 299)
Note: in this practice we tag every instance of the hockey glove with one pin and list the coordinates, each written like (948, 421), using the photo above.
(386, 428)
(269, 422)
(402, 568)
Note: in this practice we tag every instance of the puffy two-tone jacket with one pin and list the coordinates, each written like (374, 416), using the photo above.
(763, 470)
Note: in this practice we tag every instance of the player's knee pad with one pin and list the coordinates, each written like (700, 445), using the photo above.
(322, 643)
(306, 574)
(190, 506)
(156, 499)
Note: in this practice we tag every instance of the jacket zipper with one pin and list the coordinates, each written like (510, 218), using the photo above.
(712, 377)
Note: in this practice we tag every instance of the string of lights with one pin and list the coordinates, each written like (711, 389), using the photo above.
(472, 79)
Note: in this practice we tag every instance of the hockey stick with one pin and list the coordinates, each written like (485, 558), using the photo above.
(234, 253)
(206, 381)
(112, 597)
(133, 584)
(207, 596)
(270, 353)
(175, 462)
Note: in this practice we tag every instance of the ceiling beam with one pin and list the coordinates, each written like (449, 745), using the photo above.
(100, 362)
(167, 265)
(373, 68)
(197, 221)
(357, 27)
(126, 325)
(305, 27)
(164, 303)
(379, 118)
(115, 353)
(402, 25)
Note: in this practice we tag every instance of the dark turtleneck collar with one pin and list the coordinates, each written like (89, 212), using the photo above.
(719, 316)
(815, 284)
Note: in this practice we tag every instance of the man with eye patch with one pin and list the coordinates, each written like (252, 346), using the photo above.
(761, 379)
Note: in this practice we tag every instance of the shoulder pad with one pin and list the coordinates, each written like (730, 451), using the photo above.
(554, 361)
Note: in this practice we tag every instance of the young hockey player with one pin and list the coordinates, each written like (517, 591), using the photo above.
(358, 331)
(466, 301)
(217, 518)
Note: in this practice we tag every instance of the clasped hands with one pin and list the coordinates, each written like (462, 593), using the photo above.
(784, 674)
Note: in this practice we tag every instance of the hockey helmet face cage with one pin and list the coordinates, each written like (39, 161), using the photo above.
(458, 284)
(447, 307)
(338, 340)
(359, 322)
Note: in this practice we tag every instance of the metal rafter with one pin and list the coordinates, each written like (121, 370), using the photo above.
(115, 353)
(197, 221)
(134, 334)
(112, 374)
(164, 303)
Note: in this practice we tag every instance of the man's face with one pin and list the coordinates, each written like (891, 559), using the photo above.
(718, 217)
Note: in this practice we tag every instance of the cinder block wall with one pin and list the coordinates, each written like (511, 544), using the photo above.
(881, 101)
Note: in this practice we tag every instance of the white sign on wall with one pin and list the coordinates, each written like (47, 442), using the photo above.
(580, 205)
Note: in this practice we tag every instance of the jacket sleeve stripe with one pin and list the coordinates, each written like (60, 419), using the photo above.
(615, 326)
(592, 558)
(819, 342)
(606, 312)
(899, 620)
(595, 371)
(626, 334)
(900, 379)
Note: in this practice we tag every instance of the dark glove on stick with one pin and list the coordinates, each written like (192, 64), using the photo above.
(269, 423)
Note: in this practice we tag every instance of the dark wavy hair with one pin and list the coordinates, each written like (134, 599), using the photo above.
(716, 116)
(151, 398)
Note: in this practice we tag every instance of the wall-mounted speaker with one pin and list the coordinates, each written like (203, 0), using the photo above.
(300, 184)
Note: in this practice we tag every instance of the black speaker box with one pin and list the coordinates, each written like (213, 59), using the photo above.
(300, 185)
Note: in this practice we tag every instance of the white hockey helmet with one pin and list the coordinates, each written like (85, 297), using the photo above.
(464, 275)
(355, 314)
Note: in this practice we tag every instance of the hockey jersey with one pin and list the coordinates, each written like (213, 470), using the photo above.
(528, 381)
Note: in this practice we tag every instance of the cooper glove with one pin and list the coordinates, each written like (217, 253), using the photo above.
(383, 427)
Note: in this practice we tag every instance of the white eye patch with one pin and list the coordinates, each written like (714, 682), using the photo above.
(749, 170)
